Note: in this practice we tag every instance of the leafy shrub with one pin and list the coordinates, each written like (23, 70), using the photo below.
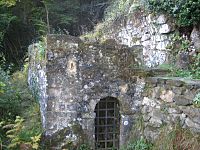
(196, 100)
(140, 144)
(84, 147)
(117, 9)
(24, 132)
(16, 99)
(15, 95)
(186, 12)
(9, 100)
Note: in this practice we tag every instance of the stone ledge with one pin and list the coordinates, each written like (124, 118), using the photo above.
(174, 81)
(149, 72)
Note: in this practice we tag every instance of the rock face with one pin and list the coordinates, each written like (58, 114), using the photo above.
(37, 77)
(78, 76)
(195, 37)
(152, 32)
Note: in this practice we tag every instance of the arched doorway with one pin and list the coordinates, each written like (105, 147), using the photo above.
(107, 124)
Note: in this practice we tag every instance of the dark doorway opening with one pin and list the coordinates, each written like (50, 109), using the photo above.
(107, 124)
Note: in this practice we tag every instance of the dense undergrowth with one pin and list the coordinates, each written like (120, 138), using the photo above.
(20, 125)
(185, 12)
(169, 138)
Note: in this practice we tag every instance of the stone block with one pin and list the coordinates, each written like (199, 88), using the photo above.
(178, 90)
(192, 124)
(175, 82)
(167, 96)
(146, 118)
(189, 94)
(196, 119)
(160, 37)
(151, 133)
(156, 92)
(191, 111)
(154, 122)
(151, 80)
(195, 37)
(165, 28)
(162, 19)
(182, 100)
(148, 102)
(145, 37)
(174, 111)
(162, 45)
(156, 118)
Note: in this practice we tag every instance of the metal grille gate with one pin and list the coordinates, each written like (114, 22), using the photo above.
(107, 124)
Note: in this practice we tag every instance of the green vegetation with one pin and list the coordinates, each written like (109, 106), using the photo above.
(185, 12)
(84, 147)
(23, 133)
(20, 116)
(114, 13)
(182, 46)
(140, 144)
(169, 139)
(26, 21)
(196, 100)
(176, 138)
(117, 10)
(183, 73)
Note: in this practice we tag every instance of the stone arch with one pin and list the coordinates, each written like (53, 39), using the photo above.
(107, 124)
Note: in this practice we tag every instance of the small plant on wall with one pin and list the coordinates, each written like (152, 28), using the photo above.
(196, 100)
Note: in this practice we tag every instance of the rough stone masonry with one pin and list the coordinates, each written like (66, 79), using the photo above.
(75, 76)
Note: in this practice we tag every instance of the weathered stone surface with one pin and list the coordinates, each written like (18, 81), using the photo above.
(161, 19)
(145, 37)
(178, 91)
(156, 119)
(177, 83)
(191, 112)
(182, 101)
(167, 96)
(176, 106)
(192, 124)
(162, 45)
(183, 60)
(153, 32)
(195, 37)
(151, 133)
(189, 94)
(148, 102)
(196, 119)
(78, 76)
(174, 111)
(156, 92)
(165, 28)
(161, 37)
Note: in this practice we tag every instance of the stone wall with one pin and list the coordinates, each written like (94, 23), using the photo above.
(37, 76)
(153, 32)
(169, 101)
(75, 76)
(80, 75)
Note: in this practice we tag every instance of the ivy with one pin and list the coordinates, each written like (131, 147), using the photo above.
(185, 12)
